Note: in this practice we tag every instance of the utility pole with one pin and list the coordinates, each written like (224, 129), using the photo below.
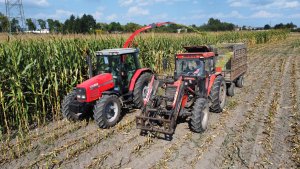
(14, 10)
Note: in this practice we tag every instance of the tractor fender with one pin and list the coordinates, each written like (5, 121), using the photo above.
(136, 75)
(211, 82)
(111, 92)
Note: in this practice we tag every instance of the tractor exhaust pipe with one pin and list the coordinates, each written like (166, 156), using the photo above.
(89, 62)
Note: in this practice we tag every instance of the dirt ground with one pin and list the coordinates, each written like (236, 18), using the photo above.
(259, 129)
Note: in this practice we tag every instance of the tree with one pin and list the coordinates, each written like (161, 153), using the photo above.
(51, 25)
(291, 26)
(58, 27)
(115, 26)
(42, 23)
(217, 25)
(4, 23)
(131, 27)
(102, 26)
(267, 26)
(87, 23)
(30, 24)
(15, 27)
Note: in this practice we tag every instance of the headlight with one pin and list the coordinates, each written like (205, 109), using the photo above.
(81, 93)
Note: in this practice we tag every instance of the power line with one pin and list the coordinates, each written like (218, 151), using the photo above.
(14, 10)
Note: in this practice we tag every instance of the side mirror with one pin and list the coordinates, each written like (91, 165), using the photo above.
(165, 64)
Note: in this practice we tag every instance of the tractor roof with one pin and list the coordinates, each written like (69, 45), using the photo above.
(117, 51)
(196, 52)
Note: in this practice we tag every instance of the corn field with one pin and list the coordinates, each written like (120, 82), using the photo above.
(36, 73)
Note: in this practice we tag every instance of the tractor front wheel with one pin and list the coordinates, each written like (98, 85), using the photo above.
(107, 111)
(65, 109)
(199, 119)
(217, 95)
(141, 89)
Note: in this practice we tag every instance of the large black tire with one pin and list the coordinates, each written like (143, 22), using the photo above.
(230, 90)
(240, 82)
(199, 119)
(217, 95)
(66, 112)
(107, 111)
(140, 88)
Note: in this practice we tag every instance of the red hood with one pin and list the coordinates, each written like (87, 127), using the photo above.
(96, 85)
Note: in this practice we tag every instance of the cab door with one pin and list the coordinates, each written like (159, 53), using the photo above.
(128, 69)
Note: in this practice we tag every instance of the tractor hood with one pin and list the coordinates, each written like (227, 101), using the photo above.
(95, 86)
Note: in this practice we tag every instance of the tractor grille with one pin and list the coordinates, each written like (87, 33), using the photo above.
(170, 92)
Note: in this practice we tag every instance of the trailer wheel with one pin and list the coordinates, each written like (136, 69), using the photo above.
(217, 95)
(66, 112)
(230, 90)
(199, 119)
(140, 89)
(107, 111)
(240, 82)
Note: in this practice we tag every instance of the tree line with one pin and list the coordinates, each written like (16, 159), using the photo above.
(87, 24)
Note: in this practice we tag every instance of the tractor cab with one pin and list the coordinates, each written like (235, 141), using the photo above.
(197, 61)
(121, 63)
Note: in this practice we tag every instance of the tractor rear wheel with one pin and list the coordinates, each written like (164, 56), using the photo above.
(217, 95)
(65, 109)
(240, 82)
(107, 111)
(199, 119)
(141, 89)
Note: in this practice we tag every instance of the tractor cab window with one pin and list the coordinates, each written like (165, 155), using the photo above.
(108, 64)
(190, 66)
(129, 63)
(209, 65)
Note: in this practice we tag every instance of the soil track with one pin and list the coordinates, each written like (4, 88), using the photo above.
(259, 129)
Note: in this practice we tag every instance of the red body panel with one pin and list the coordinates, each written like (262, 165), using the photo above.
(149, 90)
(195, 55)
(211, 82)
(136, 76)
(184, 100)
(96, 85)
(177, 84)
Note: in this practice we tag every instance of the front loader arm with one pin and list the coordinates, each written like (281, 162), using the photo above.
(154, 25)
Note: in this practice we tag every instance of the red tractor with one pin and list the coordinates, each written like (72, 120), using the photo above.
(198, 86)
(116, 80)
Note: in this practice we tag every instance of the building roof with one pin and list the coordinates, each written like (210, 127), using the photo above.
(117, 51)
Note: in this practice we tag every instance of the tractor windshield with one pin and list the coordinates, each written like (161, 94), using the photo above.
(190, 66)
(107, 64)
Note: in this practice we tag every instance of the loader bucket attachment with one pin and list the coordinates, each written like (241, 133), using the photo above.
(160, 111)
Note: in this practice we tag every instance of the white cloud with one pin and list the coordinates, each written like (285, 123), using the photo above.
(40, 3)
(125, 2)
(112, 17)
(97, 15)
(264, 4)
(297, 15)
(135, 11)
(159, 17)
(265, 14)
(59, 14)
(233, 14)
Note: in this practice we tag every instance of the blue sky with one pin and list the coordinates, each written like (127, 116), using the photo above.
(239, 12)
